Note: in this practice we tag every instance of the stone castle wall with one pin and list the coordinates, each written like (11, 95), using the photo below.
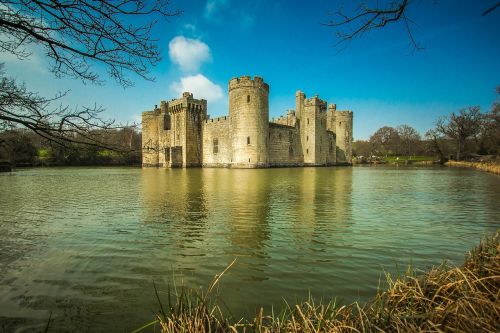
(249, 114)
(284, 145)
(180, 133)
(150, 138)
(216, 142)
(343, 120)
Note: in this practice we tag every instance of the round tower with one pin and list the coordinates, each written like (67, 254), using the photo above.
(343, 120)
(249, 121)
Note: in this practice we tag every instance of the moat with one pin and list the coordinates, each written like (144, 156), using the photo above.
(87, 243)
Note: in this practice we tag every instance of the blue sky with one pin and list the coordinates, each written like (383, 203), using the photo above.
(377, 76)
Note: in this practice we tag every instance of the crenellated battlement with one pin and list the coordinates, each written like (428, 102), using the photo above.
(344, 113)
(315, 102)
(185, 103)
(247, 81)
(216, 120)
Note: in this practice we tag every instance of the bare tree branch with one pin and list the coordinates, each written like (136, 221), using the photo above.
(365, 19)
(61, 125)
(79, 34)
(489, 10)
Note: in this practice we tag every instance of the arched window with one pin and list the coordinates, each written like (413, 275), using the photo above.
(248, 140)
(248, 98)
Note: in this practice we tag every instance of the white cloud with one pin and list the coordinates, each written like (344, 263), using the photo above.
(188, 53)
(213, 6)
(200, 86)
(190, 27)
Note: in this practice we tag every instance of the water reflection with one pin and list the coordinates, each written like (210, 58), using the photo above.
(86, 244)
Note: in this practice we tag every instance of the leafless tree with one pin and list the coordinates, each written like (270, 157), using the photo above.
(435, 143)
(78, 37)
(79, 34)
(461, 126)
(60, 125)
(490, 134)
(409, 138)
(373, 15)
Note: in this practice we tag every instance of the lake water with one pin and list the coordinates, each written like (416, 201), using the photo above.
(87, 243)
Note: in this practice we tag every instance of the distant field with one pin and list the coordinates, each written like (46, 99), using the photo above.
(403, 159)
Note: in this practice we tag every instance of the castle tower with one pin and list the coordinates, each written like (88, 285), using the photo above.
(249, 121)
(313, 131)
(331, 125)
(182, 124)
(299, 103)
(343, 122)
(150, 143)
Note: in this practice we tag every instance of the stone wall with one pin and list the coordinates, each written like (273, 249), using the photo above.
(150, 146)
(331, 157)
(249, 113)
(180, 133)
(216, 142)
(343, 121)
(284, 145)
(290, 119)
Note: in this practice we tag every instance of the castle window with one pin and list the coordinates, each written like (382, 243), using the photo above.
(216, 146)
(307, 138)
(340, 123)
(331, 147)
(248, 98)
(248, 140)
(307, 151)
(307, 121)
(290, 151)
(167, 124)
(279, 136)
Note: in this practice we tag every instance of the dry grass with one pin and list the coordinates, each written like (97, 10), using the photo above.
(445, 299)
(493, 167)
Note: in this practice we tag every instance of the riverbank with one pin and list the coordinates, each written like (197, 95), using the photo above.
(493, 167)
(445, 298)
(396, 160)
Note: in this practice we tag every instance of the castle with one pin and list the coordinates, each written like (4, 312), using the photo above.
(180, 133)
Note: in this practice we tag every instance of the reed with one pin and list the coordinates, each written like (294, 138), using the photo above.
(493, 167)
(444, 299)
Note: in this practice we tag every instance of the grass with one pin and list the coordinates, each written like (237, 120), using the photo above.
(444, 299)
(407, 159)
(493, 167)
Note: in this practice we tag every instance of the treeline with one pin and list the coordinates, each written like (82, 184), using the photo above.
(23, 147)
(464, 135)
